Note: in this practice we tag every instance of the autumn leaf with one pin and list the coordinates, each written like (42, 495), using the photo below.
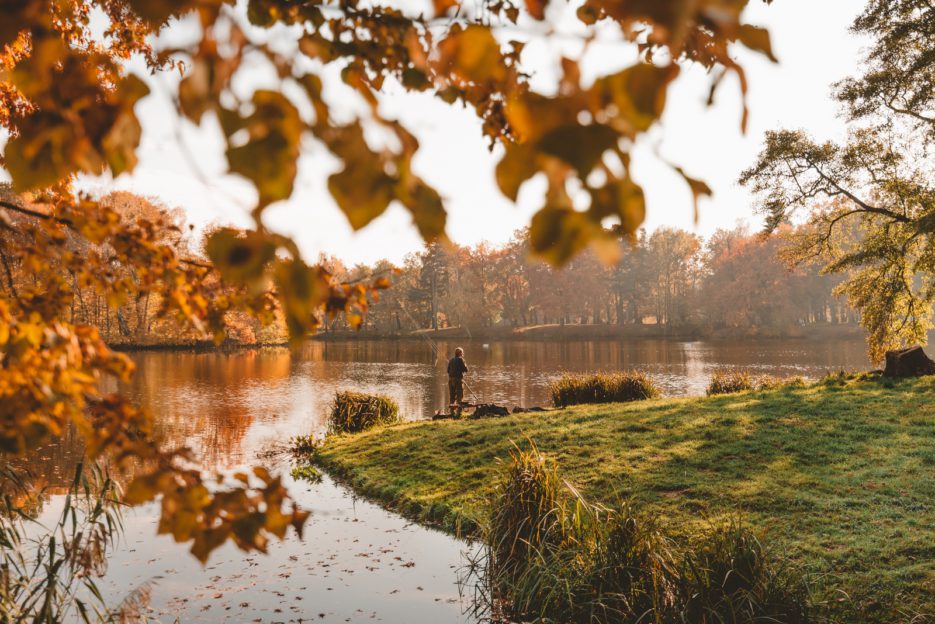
(361, 189)
(123, 138)
(302, 289)
(622, 199)
(757, 39)
(157, 12)
(442, 7)
(516, 166)
(638, 93)
(579, 146)
(425, 205)
(697, 187)
(536, 8)
(269, 157)
(472, 54)
(557, 234)
(240, 257)
(43, 153)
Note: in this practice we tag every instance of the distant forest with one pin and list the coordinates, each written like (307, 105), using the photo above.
(734, 282)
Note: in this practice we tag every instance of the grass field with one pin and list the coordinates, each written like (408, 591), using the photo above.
(839, 476)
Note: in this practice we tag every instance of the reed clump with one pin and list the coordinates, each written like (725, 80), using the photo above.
(620, 387)
(353, 412)
(728, 576)
(731, 381)
(551, 556)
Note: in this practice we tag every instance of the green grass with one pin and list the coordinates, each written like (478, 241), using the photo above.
(839, 476)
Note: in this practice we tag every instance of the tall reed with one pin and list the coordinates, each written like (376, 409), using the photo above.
(739, 380)
(553, 557)
(353, 412)
(50, 573)
(620, 387)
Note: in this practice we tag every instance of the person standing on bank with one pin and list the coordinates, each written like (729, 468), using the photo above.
(456, 370)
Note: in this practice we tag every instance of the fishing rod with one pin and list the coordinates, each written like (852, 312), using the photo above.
(476, 400)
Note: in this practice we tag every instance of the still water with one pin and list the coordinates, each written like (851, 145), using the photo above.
(359, 563)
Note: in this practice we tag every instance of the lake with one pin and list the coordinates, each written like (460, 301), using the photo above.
(358, 562)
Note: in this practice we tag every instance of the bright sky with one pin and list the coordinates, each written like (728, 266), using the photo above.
(810, 38)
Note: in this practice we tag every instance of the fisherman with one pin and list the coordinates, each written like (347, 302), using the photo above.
(456, 370)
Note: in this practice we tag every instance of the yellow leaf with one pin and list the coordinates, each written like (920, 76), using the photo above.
(425, 205)
(240, 257)
(362, 189)
(638, 93)
(516, 166)
(757, 39)
(269, 158)
(43, 153)
(557, 234)
(579, 146)
(472, 54)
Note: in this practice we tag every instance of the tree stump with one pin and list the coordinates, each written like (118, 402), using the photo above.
(911, 362)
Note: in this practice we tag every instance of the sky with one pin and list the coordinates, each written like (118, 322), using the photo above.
(183, 166)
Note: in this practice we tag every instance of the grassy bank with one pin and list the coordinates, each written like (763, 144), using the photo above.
(839, 476)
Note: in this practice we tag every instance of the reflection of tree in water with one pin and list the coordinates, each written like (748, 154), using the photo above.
(203, 400)
(46, 472)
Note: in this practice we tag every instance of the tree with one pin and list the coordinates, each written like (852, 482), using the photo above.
(674, 254)
(67, 103)
(880, 181)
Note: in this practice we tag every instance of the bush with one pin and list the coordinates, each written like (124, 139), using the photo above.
(353, 412)
(553, 557)
(571, 389)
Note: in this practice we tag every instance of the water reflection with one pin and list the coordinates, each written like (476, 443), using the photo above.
(233, 409)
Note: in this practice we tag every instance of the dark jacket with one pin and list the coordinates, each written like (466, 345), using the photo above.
(457, 367)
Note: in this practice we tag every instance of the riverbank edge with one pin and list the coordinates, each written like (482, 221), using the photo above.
(600, 332)
(338, 457)
(438, 517)
(200, 346)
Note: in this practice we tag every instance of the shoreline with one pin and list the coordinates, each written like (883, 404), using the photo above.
(601, 332)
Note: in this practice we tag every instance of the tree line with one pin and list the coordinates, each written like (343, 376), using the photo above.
(733, 281)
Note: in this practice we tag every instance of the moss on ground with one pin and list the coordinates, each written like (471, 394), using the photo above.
(840, 476)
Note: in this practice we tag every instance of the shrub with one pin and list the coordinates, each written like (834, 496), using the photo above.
(353, 412)
(571, 389)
